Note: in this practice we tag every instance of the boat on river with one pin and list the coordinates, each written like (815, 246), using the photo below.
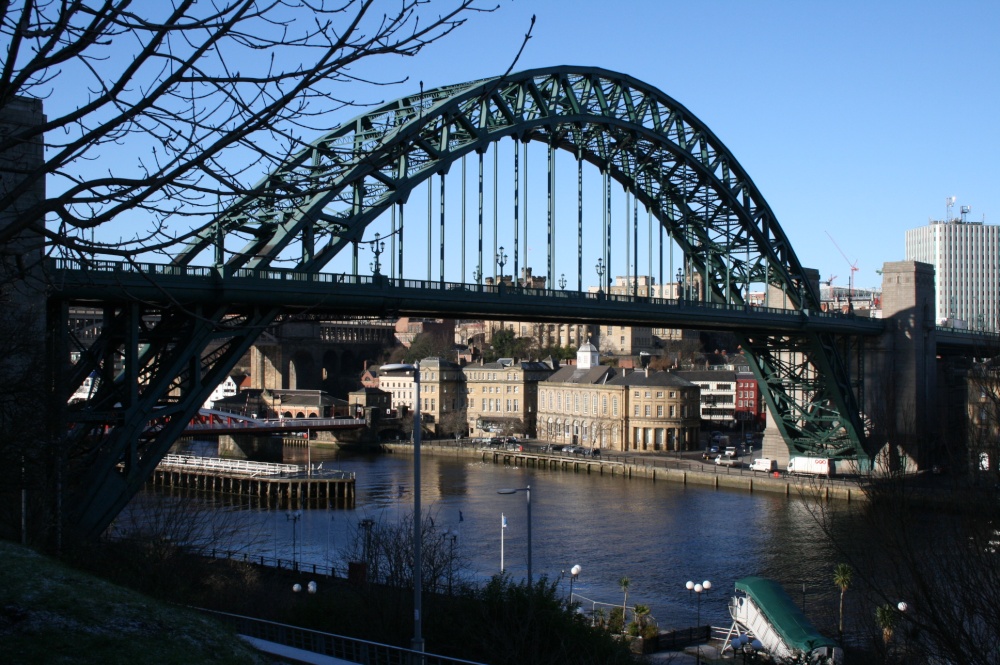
(763, 609)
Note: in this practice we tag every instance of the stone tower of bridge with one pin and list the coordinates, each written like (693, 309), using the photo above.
(901, 371)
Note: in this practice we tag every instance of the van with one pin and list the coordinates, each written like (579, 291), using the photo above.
(731, 451)
(811, 466)
(764, 464)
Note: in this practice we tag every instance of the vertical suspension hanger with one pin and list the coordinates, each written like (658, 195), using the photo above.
(480, 267)
(441, 234)
(400, 240)
(430, 222)
(462, 272)
(579, 216)
(552, 209)
(525, 202)
(517, 204)
(496, 170)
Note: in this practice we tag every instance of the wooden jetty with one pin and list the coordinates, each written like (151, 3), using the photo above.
(288, 485)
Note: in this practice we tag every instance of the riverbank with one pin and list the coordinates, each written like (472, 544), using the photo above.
(655, 468)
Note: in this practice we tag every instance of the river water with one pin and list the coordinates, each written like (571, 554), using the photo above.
(658, 534)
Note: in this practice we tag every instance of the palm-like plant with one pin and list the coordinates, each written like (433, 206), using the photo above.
(885, 617)
(842, 575)
(623, 583)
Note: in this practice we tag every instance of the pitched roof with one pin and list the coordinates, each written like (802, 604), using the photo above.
(592, 376)
(659, 378)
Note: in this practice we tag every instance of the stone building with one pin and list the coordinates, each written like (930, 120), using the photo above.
(603, 407)
(503, 396)
(442, 394)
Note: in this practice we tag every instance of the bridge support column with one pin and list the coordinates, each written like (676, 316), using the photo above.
(23, 318)
(902, 379)
(252, 447)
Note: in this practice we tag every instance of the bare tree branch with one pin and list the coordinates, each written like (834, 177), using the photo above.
(162, 116)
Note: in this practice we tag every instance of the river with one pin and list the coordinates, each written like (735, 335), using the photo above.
(658, 534)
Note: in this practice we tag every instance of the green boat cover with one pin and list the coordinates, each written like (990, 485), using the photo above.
(788, 620)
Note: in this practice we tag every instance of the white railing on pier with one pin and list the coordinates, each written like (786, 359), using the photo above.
(238, 466)
(253, 469)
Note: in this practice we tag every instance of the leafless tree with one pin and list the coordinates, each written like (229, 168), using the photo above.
(159, 115)
(925, 547)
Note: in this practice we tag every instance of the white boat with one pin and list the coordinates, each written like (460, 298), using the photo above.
(763, 610)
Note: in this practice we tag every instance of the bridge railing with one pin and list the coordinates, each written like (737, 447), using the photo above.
(383, 282)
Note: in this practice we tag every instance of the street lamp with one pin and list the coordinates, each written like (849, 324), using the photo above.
(600, 273)
(903, 607)
(680, 284)
(477, 275)
(574, 573)
(417, 643)
(698, 589)
(527, 491)
(452, 536)
(378, 246)
(501, 260)
(294, 516)
(562, 281)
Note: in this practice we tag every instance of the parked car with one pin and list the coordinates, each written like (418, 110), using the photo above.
(569, 450)
(714, 450)
(723, 460)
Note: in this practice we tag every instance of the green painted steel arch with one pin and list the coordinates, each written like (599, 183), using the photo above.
(320, 202)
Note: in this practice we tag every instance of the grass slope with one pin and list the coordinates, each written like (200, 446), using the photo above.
(53, 614)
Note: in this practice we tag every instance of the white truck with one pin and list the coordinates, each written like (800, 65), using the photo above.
(811, 466)
(764, 464)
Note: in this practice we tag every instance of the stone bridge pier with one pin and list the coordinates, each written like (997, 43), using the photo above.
(904, 405)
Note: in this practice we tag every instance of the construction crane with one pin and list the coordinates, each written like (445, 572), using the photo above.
(853, 266)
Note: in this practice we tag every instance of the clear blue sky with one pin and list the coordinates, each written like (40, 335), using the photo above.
(855, 119)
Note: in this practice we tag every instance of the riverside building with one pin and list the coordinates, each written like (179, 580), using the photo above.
(596, 406)
(965, 256)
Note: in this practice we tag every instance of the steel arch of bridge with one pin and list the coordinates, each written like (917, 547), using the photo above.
(642, 138)
(319, 203)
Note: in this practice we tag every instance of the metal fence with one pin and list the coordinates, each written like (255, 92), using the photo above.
(328, 644)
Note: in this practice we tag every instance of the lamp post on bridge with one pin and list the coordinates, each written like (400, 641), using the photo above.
(600, 274)
(378, 246)
(501, 261)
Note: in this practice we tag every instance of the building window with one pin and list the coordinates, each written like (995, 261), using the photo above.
(614, 406)
(648, 411)
(659, 410)
(636, 414)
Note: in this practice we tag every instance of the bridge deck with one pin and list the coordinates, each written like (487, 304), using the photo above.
(365, 295)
